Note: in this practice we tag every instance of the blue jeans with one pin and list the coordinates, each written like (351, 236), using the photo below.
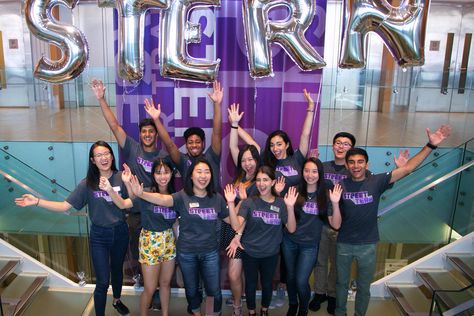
(108, 248)
(300, 260)
(364, 254)
(207, 265)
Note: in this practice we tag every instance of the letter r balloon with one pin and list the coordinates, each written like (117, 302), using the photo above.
(401, 28)
(289, 33)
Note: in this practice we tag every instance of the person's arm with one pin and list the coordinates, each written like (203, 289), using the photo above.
(402, 158)
(99, 91)
(31, 200)
(247, 138)
(121, 203)
(307, 125)
(290, 200)
(155, 198)
(162, 132)
(434, 139)
(236, 221)
(216, 97)
(335, 219)
(234, 119)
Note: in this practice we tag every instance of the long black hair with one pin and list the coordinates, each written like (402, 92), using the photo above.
(188, 182)
(268, 156)
(93, 174)
(157, 165)
(240, 171)
(321, 189)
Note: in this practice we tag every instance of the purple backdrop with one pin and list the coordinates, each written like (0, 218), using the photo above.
(269, 103)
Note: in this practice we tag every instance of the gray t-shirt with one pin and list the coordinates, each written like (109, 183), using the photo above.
(359, 207)
(263, 229)
(199, 221)
(102, 210)
(309, 224)
(334, 173)
(155, 217)
(140, 161)
(214, 160)
(290, 168)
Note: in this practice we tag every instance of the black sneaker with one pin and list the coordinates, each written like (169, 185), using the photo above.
(121, 308)
(292, 310)
(315, 303)
(331, 305)
(155, 301)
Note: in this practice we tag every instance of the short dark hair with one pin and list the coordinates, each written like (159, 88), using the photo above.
(158, 163)
(146, 122)
(194, 131)
(357, 151)
(270, 172)
(188, 182)
(346, 135)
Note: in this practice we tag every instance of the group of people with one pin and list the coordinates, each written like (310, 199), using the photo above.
(280, 204)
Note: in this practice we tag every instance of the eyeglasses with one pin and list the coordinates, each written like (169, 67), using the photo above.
(341, 144)
(100, 155)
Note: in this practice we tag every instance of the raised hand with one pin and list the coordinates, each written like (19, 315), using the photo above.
(104, 184)
(217, 93)
(310, 101)
(291, 196)
(136, 186)
(280, 185)
(232, 248)
(335, 193)
(439, 135)
(234, 116)
(126, 173)
(242, 191)
(26, 200)
(98, 88)
(402, 158)
(229, 193)
(151, 110)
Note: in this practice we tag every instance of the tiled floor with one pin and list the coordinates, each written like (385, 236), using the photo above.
(370, 128)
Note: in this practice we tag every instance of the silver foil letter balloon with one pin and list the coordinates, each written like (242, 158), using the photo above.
(131, 30)
(260, 32)
(175, 33)
(402, 29)
(70, 40)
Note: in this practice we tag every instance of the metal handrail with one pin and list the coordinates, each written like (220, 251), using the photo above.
(426, 187)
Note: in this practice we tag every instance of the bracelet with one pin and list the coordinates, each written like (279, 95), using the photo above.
(430, 145)
(238, 234)
(236, 127)
(37, 202)
(310, 110)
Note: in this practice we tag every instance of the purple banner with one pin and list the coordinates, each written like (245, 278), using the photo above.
(269, 103)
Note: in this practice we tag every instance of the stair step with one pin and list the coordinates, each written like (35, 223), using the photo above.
(463, 262)
(16, 296)
(7, 266)
(55, 301)
(413, 300)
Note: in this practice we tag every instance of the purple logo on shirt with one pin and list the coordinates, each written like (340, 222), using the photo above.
(207, 214)
(166, 212)
(334, 177)
(189, 162)
(311, 208)
(102, 195)
(358, 198)
(287, 171)
(146, 164)
(270, 218)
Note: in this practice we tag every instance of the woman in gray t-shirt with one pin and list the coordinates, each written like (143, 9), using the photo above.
(260, 218)
(109, 231)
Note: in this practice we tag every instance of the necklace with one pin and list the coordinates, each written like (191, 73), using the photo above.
(311, 195)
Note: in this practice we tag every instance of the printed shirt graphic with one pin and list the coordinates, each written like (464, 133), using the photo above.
(359, 207)
(290, 168)
(101, 210)
(308, 225)
(198, 221)
(263, 230)
(334, 173)
(155, 217)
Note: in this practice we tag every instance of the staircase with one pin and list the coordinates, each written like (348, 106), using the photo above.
(17, 288)
(439, 284)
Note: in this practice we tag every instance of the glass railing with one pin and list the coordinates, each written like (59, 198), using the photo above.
(59, 240)
(432, 207)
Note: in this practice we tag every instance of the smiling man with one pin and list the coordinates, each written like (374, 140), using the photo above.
(358, 235)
